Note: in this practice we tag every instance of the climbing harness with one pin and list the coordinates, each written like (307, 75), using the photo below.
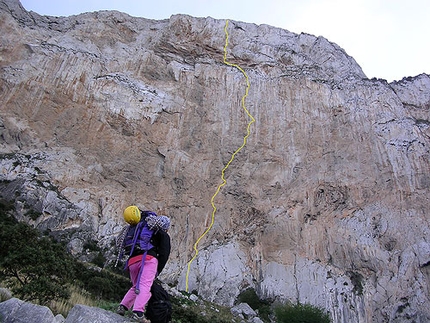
(248, 132)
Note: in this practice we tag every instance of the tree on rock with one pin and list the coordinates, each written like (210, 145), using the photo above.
(32, 266)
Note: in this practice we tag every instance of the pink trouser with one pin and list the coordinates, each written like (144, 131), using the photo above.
(138, 301)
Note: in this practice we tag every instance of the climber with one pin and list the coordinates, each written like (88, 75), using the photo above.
(147, 245)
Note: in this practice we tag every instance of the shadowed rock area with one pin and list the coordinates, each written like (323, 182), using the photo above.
(326, 204)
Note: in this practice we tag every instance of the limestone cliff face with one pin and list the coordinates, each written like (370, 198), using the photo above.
(328, 202)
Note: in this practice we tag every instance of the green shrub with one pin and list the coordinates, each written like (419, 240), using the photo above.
(104, 285)
(37, 268)
(91, 246)
(32, 214)
(99, 260)
(250, 297)
(186, 311)
(300, 313)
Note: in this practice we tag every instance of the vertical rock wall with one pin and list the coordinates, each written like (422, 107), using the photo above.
(327, 203)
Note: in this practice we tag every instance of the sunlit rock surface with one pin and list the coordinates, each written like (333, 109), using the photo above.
(327, 203)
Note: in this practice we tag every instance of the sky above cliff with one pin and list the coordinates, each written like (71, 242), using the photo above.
(387, 38)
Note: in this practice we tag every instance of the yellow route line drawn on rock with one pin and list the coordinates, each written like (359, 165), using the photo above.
(248, 132)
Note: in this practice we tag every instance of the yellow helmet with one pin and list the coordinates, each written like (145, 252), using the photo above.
(132, 215)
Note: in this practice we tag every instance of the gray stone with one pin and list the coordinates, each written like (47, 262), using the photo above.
(18, 311)
(228, 267)
(84, 314)
(5, 294)
(194, 297)
(244, 310)
(255, 320)
(59, 318)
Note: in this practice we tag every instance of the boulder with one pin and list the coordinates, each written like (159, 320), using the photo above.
(83, 314)
(17, 311)
(243, 310)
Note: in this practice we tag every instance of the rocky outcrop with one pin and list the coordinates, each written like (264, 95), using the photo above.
(83, 313)
(244, 311)
(326, 204)
(15, 310)
(18, 311)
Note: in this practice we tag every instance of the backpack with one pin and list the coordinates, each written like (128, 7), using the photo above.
(138, 239)
(159, 307)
